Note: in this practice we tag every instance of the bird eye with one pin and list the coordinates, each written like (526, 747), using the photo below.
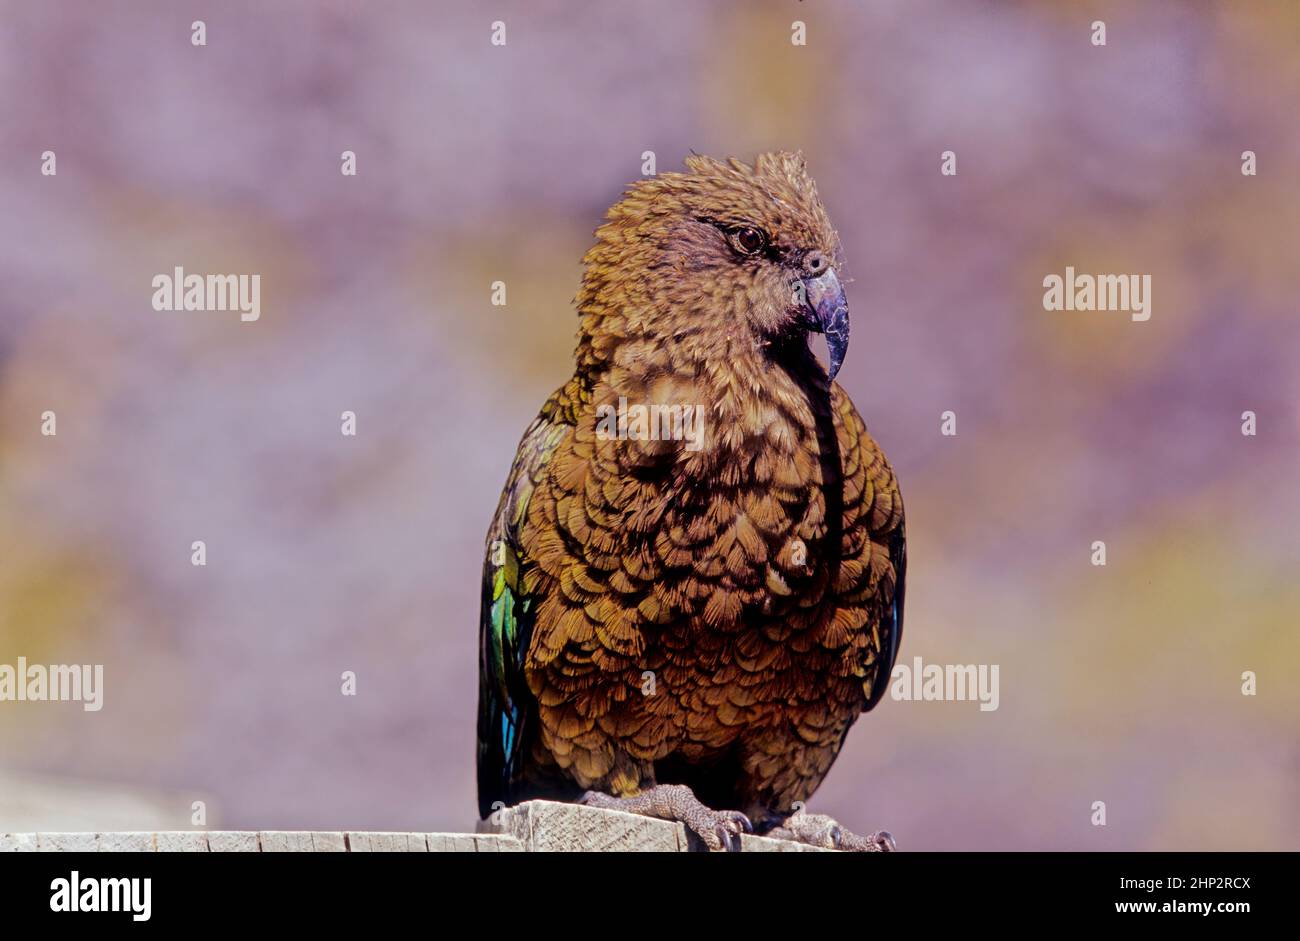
(748, 240)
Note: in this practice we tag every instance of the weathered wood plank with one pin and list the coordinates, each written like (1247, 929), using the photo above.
(322, 842)
(67, 842)
(387, 842)
(126, 842)
(535, 826)
(233, 841)
(286, 841)
(548, 826)
(18, 842)
(181, 841)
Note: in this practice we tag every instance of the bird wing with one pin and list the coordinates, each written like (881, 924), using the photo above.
(874, 534)
(892, 616)
(506, 619)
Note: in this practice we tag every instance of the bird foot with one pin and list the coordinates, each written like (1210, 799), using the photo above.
(719, 829)
(821, 830)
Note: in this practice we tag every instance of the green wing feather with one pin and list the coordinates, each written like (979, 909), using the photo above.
(506, 713)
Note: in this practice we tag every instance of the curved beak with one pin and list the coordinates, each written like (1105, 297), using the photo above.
(828, 312)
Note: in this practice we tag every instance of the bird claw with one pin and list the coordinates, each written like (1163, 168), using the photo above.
(727, 826)
(882, 841)
(717, 829)
(823, 831)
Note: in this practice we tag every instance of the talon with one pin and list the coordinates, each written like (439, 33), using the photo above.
(884, 840)
(734, 818)
(717, 829)
(730, 841)
(825, 832)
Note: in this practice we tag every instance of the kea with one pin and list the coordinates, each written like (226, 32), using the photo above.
(686, 626)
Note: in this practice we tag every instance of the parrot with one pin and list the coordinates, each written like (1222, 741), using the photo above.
(688, 629)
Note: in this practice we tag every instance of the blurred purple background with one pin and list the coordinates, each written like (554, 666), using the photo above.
(479, 163)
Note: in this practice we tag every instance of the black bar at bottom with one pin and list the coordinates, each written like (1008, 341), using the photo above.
(203, 891)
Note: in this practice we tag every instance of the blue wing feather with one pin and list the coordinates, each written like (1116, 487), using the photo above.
(505, 628)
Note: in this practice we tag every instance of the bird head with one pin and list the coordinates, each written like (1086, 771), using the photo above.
(723, 257)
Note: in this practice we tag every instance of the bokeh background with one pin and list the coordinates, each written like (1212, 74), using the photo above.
(479, 163)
